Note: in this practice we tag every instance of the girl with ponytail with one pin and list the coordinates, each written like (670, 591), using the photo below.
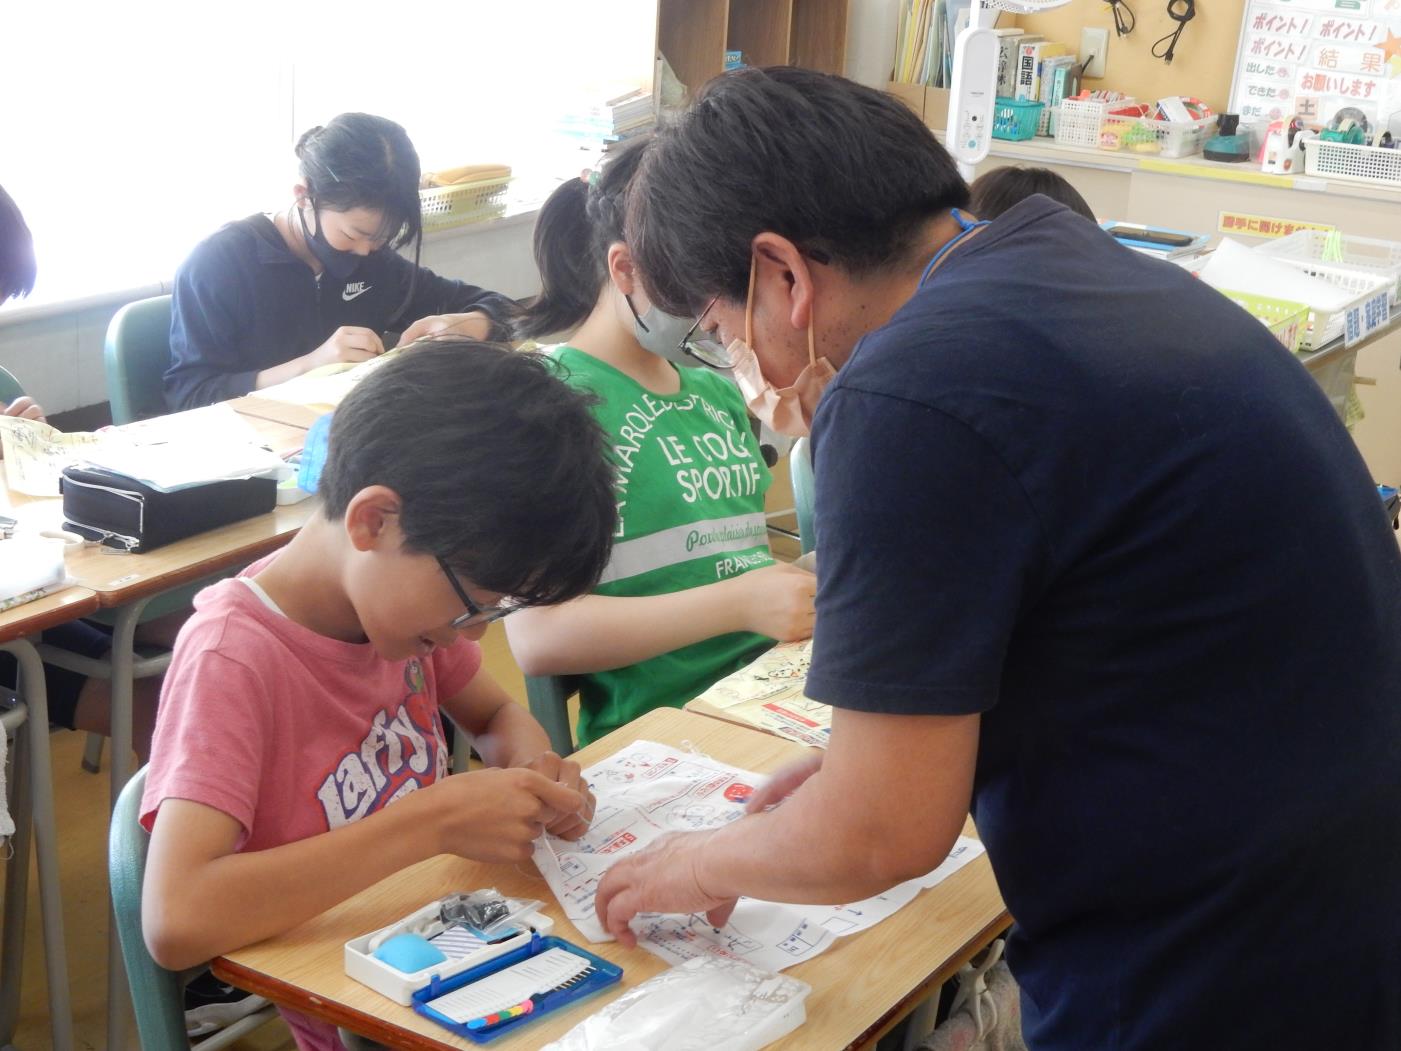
(691, 592)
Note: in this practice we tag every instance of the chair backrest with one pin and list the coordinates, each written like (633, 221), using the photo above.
(549, 703)
(10, 388)
(156, 993)
(800, 475)
(136, 355)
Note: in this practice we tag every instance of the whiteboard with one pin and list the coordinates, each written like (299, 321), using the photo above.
(1314, 58)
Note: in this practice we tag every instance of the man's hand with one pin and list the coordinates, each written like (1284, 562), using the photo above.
(565, 772)
(661, 878)
(25, 408)
(474, 325)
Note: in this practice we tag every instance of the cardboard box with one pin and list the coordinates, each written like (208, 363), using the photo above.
(930, 104)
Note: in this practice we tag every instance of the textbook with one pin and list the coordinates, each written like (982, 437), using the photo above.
(1008, 48)
(1030, 67)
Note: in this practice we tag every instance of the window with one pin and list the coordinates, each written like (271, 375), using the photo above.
(132, 133)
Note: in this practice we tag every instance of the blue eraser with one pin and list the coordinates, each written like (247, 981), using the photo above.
(409, 953)
(313, 457)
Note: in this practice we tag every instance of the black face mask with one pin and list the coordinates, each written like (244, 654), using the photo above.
(339, 265)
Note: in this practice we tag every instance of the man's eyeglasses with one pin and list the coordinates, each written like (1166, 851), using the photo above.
(704, 347)
(475, 614)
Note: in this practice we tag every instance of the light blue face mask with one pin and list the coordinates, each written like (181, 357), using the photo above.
(662, 334)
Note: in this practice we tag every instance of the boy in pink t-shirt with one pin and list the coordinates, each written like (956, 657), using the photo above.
(462, 481)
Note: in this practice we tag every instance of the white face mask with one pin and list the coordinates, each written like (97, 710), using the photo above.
(787, 410)
(662, 334)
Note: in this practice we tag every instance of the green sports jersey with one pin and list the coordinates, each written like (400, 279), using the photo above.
(690, 485)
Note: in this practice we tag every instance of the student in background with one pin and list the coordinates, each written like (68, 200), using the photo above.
(17, 271)
(692, 592)
(75, 701)
(463, 481)
(993, 193)
(268, 298)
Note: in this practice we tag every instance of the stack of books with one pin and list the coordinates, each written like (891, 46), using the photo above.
(629, 115)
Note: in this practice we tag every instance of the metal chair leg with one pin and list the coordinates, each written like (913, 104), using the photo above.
(16, 876)
(45, 840)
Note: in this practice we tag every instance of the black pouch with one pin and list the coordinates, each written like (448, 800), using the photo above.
(124, 513)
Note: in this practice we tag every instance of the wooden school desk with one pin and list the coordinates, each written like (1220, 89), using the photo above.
(862, 985)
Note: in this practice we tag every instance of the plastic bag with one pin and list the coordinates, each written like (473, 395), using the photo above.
(706, 1004)
(485, 913)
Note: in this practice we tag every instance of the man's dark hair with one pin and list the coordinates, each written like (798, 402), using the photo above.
(847, 173)
(499, 464)
(576, 226)
(998, 190)
(17, 266)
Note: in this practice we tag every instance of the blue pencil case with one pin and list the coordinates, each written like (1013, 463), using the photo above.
(511, 991)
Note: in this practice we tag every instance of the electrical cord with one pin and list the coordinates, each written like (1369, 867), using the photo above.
(1181, 12)
(1124, 19)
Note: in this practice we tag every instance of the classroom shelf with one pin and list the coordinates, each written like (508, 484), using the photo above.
(695, 34)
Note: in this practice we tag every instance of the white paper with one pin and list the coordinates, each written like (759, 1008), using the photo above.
(36, 454)
(190, 448)
(326, 387)
(648, 790)
(1236, 268)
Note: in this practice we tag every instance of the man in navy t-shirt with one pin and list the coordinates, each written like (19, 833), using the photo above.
(1096, 553)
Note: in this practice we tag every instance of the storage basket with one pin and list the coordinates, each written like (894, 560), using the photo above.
(1341, 160)
(1014, 119)
(1078, 120)
(1367, 255)
(1286, 320)
(1161, 138)
(463, 203)
(1365, 312)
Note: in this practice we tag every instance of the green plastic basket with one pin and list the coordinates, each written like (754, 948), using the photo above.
(1285, 319)
(1015, 120)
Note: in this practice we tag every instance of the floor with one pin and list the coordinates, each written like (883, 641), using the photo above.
(82, 807)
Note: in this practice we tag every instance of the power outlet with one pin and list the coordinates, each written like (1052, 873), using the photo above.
(1094, 48)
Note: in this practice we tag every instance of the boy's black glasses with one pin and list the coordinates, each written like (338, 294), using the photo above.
(475, 614)
(704, 347)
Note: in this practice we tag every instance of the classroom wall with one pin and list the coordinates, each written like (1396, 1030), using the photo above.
(58, 357)
(1203, 64)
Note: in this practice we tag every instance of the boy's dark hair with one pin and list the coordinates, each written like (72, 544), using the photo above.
(17, 265)
(499, 464)
(573, 232)
(994, 193)
(847, 173)
(359, 160)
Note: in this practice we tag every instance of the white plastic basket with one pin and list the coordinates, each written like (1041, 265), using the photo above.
(1161, 138)
(1365, 312)
(1078, 120)
(1341, 160)
(463, 203)
(1367, 255)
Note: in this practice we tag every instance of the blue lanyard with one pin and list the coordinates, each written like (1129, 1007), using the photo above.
(967, 227)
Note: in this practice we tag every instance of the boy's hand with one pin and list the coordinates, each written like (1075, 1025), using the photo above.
(566, 772)
(349, 343)
(778, 601)
(495, 815)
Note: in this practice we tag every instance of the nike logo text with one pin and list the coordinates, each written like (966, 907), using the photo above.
(359, 288)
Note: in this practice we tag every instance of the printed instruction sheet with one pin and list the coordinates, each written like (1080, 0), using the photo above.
(648, 790)
(768, 694)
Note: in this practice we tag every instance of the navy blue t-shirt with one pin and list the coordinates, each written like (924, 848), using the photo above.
(243, 303)
(1079, 492)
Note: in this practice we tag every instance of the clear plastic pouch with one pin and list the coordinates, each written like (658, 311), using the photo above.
(706, 1004)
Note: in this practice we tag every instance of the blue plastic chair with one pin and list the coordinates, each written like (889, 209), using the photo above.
(548, 696)
(136, 355)
(800, 475)
(157, 995)
(10, 388)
